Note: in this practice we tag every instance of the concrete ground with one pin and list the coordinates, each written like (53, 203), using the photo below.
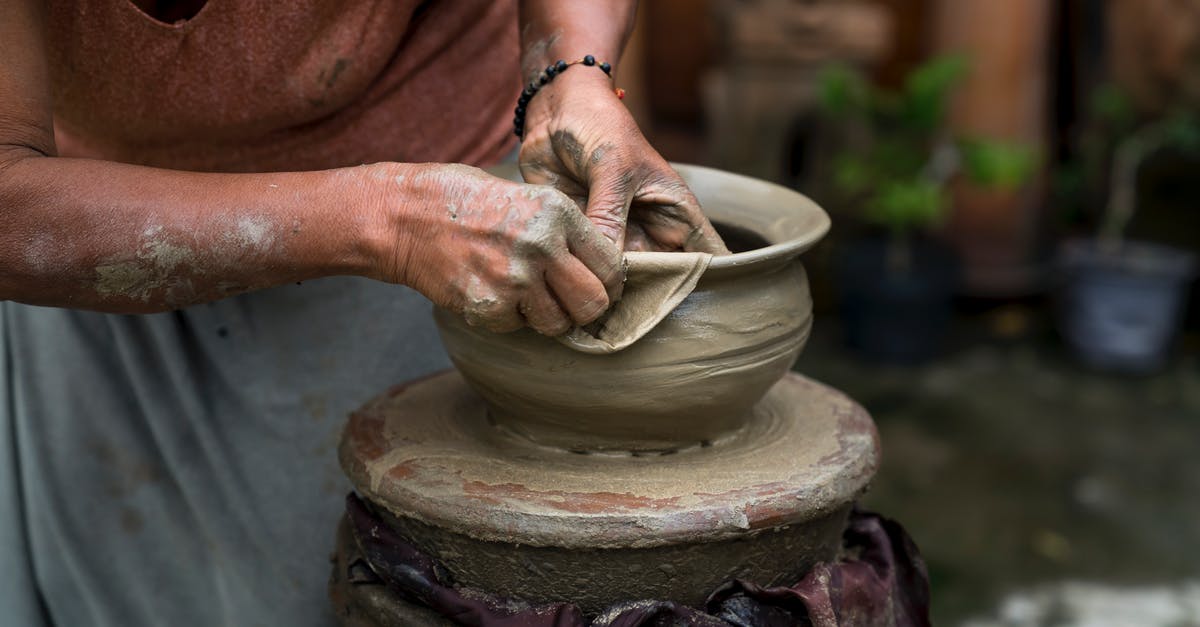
(1032, 484)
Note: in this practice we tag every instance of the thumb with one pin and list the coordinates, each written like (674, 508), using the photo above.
(610, 192)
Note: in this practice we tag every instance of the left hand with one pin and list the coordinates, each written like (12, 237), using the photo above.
(580, 139)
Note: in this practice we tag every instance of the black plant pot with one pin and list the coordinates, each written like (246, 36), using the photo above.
(1120, 311)
(897, 315)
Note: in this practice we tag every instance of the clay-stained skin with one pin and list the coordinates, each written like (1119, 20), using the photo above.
(538, 49)
(507, 255)
(629, 193)
(167, 262)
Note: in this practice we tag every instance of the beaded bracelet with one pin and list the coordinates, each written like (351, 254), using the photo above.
(547, 75)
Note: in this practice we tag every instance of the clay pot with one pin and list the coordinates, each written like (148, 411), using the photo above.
(695, 376)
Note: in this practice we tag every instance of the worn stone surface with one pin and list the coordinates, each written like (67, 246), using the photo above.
(596, 579)
(507, 515)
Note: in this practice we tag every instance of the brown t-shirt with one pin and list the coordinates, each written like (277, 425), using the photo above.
(263, 85)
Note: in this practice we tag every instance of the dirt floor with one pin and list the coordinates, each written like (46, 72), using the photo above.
(1015, 470)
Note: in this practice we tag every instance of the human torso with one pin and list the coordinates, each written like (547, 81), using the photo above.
(260, 85)
(180, 468)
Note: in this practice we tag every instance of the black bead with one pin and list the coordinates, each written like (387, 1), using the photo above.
(533, 87)
(520, 109)
(606, 68)
(560, 66)
(550, 71)
(528, 93)
(589, 60)
(543, 79)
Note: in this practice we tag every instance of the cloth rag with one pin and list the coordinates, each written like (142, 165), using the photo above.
(880, 580)
(655, 283)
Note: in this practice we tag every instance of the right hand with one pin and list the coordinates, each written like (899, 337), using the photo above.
(503, 254)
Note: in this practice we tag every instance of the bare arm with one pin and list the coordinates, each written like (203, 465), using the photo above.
(569, 29)
(581, 139)
(113, 237)
(108, 236)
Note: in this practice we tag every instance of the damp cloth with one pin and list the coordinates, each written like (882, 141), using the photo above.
(655, 283)
(879, 580)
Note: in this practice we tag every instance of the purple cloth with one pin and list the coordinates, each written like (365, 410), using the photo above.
(881, 582)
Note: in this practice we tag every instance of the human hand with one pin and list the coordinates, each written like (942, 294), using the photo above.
(582, 141)
(503, 254)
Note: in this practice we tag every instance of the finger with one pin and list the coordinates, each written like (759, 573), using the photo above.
(671, 216)
(677, 227)
(702, 237)
(579, 292)
(543, 313)
(541, 173)
(610, 190)
(597, 252)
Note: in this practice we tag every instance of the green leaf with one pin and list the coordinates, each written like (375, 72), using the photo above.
(1004, 165)
(842, 89)
(1111, 105)
(901, 205)
(1183, 132)
(928, 87)
(851, 174)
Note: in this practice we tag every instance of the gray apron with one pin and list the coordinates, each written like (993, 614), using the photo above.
(180, 468)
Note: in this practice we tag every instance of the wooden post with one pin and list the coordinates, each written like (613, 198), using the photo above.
(1004, 97)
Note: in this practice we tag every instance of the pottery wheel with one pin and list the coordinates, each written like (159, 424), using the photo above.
(514, 518)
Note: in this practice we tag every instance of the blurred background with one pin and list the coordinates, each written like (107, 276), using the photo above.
(1009, 287)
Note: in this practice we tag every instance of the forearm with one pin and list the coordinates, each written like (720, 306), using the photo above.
(113, 237)
(569, 29)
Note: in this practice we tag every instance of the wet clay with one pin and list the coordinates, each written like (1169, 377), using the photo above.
(655, 283)
(694, 376)
(507, 515)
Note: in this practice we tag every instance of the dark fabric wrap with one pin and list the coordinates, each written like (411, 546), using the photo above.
(880, 581)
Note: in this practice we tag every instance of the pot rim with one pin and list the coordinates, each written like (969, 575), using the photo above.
(793, 206)
(774, 253)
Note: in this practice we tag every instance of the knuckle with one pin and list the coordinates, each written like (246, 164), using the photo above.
(533, 244)
(607, 221)
(489, 312)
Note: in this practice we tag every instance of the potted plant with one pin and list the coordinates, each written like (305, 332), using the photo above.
(1122, 300)
(892, 168)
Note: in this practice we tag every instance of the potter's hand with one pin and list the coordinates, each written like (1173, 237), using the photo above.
(580, 139)
(503, 254)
